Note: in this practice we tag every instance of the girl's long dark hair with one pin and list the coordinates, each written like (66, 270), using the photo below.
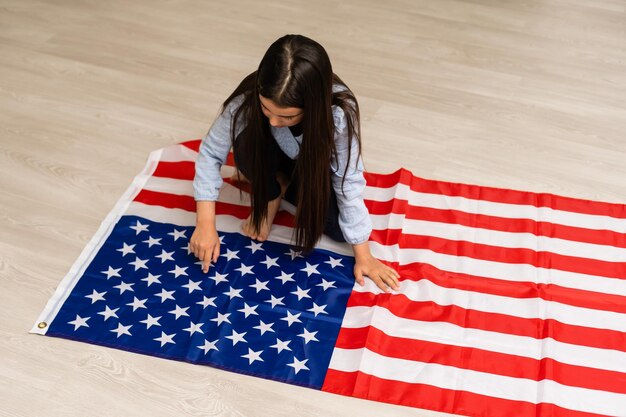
(296, 72)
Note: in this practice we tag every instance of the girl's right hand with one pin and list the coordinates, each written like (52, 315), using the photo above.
(205, 244)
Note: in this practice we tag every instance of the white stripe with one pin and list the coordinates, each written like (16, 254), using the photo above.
(497, 270)
(536, 243)
(448, 377)
(178, 153)
(529, 308)
(228, 224)
(506, 210)
(451, 334)
(170, 186)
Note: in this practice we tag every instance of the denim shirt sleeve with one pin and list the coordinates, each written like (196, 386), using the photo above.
(213, 153)
(354, 219)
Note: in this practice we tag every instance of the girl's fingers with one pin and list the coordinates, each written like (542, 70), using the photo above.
(358, 275)
(216, 252)
(206, 261)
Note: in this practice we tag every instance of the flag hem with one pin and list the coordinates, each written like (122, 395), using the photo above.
(72, 277)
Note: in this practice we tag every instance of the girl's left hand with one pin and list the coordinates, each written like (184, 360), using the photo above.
(383, 276)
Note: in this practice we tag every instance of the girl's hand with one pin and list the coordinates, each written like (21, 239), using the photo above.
(383, 276)
(205, 244)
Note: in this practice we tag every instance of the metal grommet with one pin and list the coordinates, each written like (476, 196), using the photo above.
(42, 325)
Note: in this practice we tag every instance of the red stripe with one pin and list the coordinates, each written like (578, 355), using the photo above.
(499, 195)
(187, 203)
(183, 170)
(428, 311)
(230, 160)
(481, 360)
(192, 144)
(361, 385)
(154, 198)
(503, 224)
(514, 289)
(539, 259)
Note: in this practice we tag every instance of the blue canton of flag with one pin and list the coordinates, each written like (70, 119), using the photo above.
(263, 308)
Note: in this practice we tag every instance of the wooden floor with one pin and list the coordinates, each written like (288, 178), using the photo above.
(527, 94)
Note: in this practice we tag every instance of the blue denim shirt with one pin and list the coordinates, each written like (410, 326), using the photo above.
(354, 219)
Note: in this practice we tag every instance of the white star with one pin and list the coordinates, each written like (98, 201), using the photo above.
(298, 365)
(165, 295)
(108, 313)
(96, 296)
(166, 338)
(139, 263)
(79, 322)
(232, 293)
(152, 241)
(276, 301)
(301, 293)
(112, 272)
(253, 246)
(310, 269)
(193, 328)
(152, 279)
(178, 271)
(285, 277)
(151, 321)
(126, 249)
(291, 318)
(177, 234)
(264, 327)
(137, 303)
(121, 329)
(248, 310)
(219, 278)
(333, 262)
(187, 248)
(123, 287)
(138, 228)
(281, 345)
(178, 311)
(327, 284)
(222, 239)
(294, 254)
(259, 285)
(237, 337)
(207, 301)
(193, 286)
(318, 309)
(244, 269)
(209, 346)
(308, 336)
(230, 254)
(253, 356)
(165, 256)
(270, 262)
(221, 318)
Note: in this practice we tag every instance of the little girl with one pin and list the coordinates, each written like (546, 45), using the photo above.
(294, 129)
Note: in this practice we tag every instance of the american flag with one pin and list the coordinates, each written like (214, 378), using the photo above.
(511, 303)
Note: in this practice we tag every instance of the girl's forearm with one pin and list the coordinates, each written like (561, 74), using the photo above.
(362, 250)
(205, 214)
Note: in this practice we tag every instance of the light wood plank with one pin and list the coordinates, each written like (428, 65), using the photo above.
(518, 94)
